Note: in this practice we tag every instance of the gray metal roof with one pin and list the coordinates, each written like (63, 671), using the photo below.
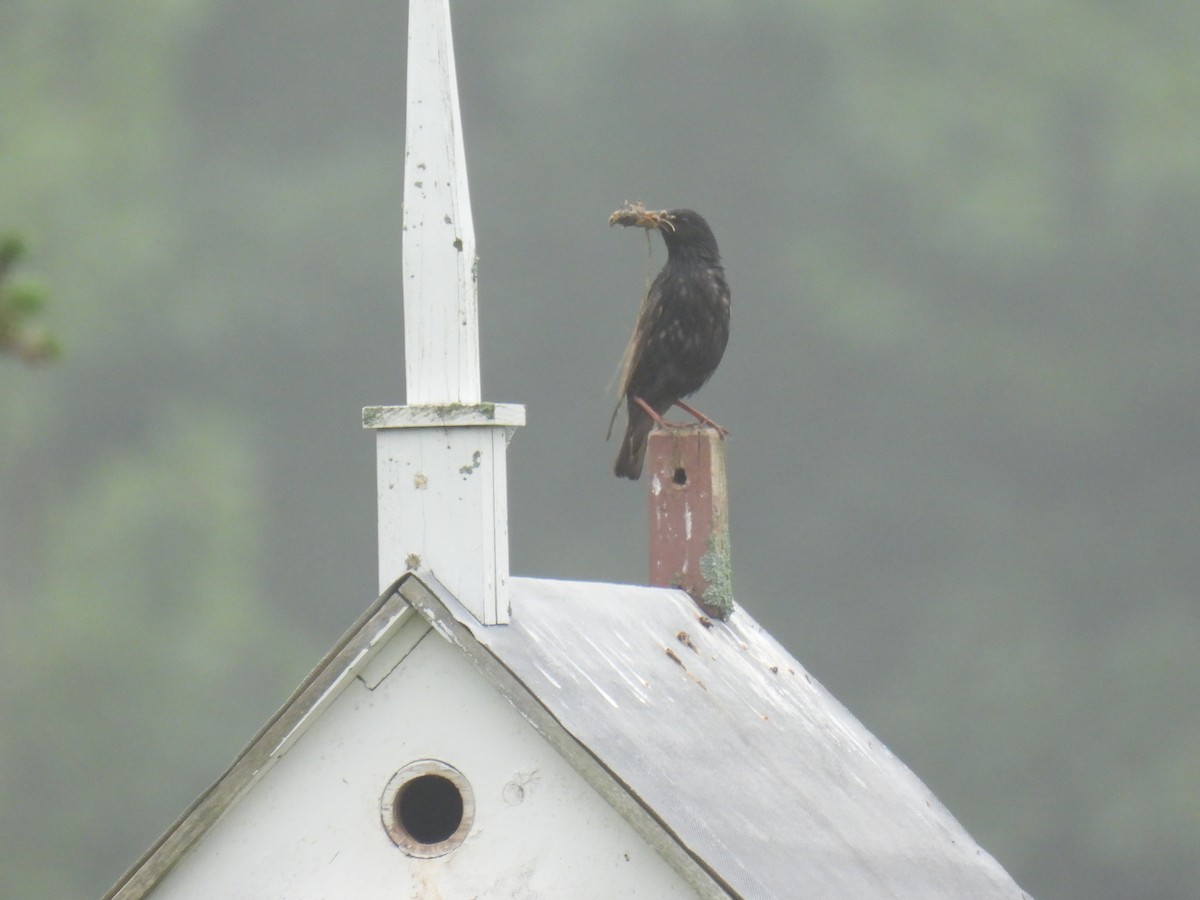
(707, 736)
(722, 739)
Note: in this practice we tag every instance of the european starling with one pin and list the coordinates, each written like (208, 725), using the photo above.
(681, 331)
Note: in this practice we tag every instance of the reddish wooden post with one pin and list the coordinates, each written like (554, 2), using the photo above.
(689, 515)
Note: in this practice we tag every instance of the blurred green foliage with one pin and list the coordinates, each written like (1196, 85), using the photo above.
(961, 384)
(20, 302)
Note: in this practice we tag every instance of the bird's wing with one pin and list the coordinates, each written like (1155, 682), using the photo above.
(647, 315)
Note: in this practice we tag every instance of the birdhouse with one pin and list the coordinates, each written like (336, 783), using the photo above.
(477, 735)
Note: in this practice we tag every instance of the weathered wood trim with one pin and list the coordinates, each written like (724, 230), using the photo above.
(511, 415)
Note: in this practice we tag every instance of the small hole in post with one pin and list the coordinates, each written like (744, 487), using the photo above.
(680, 476)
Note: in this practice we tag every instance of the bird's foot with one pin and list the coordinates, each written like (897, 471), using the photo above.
(702, 418)
(663, 423)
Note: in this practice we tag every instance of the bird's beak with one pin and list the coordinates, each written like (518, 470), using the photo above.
(660, 221)
(636, 214)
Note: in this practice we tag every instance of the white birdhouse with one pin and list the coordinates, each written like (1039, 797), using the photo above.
(473, 735)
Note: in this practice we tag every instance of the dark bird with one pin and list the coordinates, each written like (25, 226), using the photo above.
(681, 330)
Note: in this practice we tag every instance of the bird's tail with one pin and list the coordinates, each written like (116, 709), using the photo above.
(633, 447)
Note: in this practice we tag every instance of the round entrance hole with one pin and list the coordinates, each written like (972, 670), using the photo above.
(427, 808)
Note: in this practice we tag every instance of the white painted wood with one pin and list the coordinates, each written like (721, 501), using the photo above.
(443, 506)
(311, 828)
(441, 310)
(443, 496)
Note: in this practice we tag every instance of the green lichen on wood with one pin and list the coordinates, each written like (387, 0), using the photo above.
(438, 414)
(476, 462)
(717, 571)
(455, 410)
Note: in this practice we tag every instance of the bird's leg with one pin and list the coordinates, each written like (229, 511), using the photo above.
(652, 413)
(663, 423)
(702, 418)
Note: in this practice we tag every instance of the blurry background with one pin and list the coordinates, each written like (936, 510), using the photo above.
(963, 382)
